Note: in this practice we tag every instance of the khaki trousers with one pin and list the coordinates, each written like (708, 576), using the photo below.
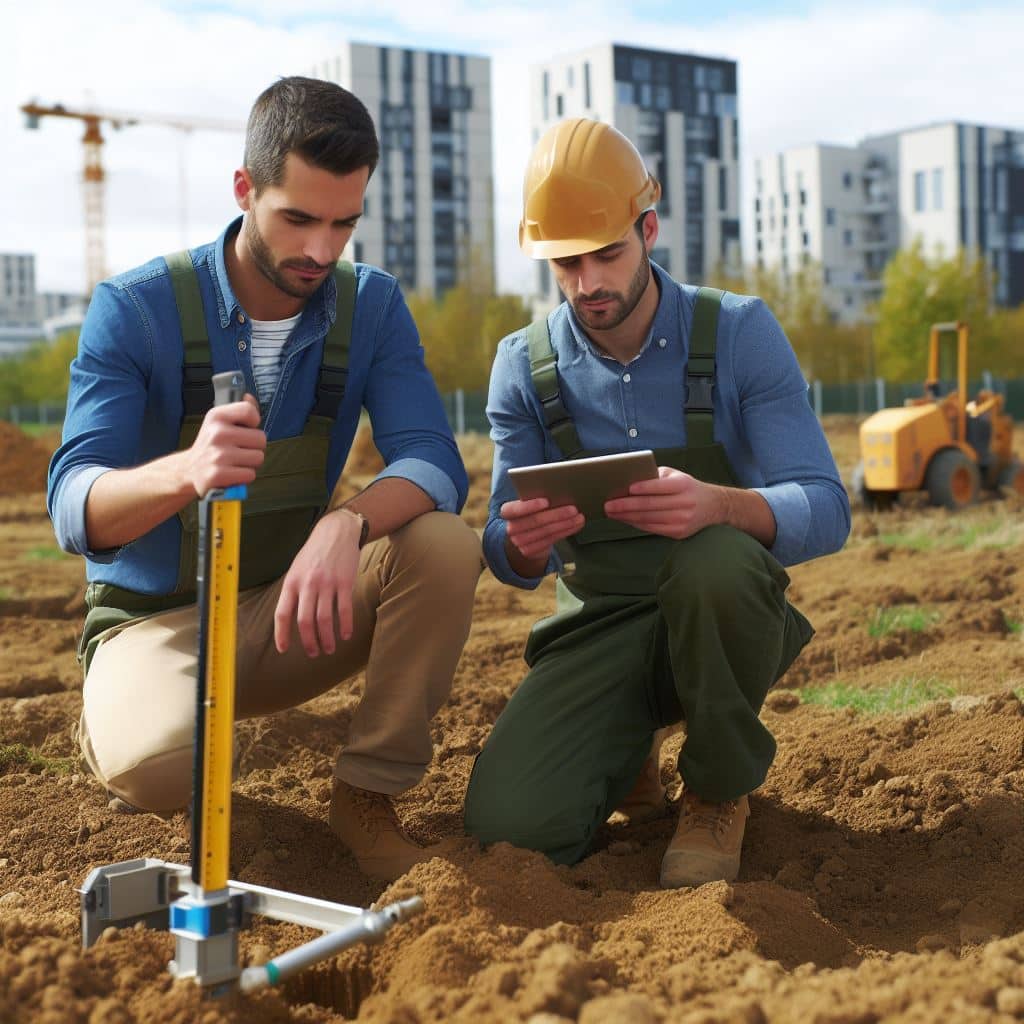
(412, 607)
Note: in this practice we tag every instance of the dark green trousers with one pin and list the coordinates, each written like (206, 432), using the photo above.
(705, 648)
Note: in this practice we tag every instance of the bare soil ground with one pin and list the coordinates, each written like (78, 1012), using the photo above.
(883, 875)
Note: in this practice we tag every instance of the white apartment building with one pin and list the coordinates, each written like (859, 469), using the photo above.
(18, 289)
(679, 110)
(429, 212)
(848, 209)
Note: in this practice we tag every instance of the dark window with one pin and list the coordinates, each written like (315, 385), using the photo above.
(586, 83)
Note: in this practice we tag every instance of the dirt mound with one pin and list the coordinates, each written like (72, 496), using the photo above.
(881, 875)
(23, 461)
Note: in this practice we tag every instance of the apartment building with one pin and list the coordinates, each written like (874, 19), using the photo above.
(679, 110)
(429, 212)
(848, 209)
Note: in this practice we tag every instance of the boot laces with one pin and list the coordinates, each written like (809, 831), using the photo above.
(376, 809)
(715, 818)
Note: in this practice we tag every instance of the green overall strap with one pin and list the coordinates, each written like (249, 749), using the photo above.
(197, 371)
(330, 384)
(700, 369)
(544, 374)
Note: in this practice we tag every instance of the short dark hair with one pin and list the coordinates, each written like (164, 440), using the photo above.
(638, 224)
(319, 121)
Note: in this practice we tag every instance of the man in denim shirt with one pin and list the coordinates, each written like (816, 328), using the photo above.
(672, 605)
(328, 590)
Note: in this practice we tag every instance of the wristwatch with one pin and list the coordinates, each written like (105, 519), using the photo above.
(364, 528)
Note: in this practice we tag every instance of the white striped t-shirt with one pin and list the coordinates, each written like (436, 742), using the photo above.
(268, 338)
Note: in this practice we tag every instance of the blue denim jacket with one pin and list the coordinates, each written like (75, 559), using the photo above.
(125, 403)
(762, 417)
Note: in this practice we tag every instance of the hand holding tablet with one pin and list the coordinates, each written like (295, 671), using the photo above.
(586, 483)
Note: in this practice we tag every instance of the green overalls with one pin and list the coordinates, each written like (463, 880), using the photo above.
(290, 489)
(650, 631)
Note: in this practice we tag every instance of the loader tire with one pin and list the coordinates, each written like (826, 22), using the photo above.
(952, 479)
(874, 501)
(1012, 478)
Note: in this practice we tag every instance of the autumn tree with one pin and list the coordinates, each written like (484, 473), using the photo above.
(920, 290)
(826, 350)
(41, 373)
(460, 332)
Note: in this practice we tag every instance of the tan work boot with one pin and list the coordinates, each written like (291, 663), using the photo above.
(706, 844)
(646, 800)
(368, 826)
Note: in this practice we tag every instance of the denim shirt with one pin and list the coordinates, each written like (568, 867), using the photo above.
(762, 417)
(125, 397)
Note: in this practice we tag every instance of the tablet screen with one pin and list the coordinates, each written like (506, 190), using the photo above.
(586, 483)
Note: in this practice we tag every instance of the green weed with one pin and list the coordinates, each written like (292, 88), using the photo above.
(45, 554)
(17, 755)
(901, 617)
(903, 695)
(963, 532)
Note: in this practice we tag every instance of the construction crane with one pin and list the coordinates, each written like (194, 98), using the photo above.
(93, 175)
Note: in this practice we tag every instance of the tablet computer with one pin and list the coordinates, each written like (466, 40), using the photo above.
(586, 483)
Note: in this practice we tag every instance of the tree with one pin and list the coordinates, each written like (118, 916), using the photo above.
(919, 291)
(460, 332)
(827, 351)
(40, 374)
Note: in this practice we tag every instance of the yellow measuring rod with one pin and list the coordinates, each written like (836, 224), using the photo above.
(220, 529)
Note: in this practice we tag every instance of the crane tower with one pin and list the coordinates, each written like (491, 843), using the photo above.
(93, 175)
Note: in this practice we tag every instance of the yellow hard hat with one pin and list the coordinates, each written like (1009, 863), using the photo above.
(585, 185)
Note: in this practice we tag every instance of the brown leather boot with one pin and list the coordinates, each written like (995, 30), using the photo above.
(368, 826)
(646, 800)
(706, 845)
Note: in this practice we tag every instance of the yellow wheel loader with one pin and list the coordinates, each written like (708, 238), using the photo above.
(947, 445)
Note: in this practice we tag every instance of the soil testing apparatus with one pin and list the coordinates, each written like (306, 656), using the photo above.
(200, 905)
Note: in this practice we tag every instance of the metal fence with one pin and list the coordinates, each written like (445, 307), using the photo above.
(42, 413)
(868, 396)
(465, 409)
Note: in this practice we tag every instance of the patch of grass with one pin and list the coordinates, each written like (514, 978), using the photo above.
(903, 695)
(899, 617)
(17, 755)
(35, 429)
(45, 554)
(1012, 625)
(913, 541)
(963, 532)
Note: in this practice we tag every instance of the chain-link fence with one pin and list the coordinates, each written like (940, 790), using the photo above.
(45, 414)
(465, 409)
(867, 396)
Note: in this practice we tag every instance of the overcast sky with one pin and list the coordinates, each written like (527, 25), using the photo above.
(808, 72)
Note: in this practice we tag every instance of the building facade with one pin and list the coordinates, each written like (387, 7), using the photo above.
(429, 212)
(848, 209)
(679, 110)
(18, 302)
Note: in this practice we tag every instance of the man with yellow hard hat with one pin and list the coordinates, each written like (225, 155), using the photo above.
(672, 606)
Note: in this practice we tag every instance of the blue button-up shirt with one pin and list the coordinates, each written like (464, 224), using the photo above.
(125, 398)
(762, 418)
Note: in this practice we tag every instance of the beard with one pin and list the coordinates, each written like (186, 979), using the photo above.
(276, 273)
(623, 303)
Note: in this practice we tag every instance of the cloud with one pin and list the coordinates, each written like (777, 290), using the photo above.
(832, 74)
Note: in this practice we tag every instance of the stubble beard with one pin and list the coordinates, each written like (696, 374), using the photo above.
(263, 259)
(624, 303)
